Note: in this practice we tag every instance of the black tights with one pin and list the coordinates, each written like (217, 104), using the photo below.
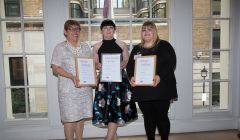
(155, 114)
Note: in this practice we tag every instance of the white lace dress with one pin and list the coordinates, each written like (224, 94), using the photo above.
(75, 103)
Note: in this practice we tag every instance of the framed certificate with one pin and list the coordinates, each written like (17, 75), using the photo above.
(85, 71)
(144, 71)
(111, 68)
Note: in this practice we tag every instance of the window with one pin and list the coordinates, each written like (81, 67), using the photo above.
(122, 8)
(159, 9)
(12, 8)
(128, 16)
(216, 41)
(23, 60)
(211, 49)
(216, 7)
(121, 4)
(76, 10)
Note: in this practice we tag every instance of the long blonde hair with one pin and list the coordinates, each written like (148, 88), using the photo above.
(155, 35)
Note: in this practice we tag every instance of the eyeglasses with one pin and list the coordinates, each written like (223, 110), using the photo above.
(74, 29)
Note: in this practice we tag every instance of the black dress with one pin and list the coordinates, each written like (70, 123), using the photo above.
(112, 99)
(165, 67)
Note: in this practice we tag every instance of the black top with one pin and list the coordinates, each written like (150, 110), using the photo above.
(165, 67)
(109, 46)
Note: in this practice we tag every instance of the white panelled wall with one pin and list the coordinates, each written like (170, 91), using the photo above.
(182, 117)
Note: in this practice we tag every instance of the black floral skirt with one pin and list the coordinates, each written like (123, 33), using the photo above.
(112, 103)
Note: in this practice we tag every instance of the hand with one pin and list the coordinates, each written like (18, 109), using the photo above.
(123, 64)
(98, 77)
(132, 82)
(75, 80)
(99, 66)
(156, 80)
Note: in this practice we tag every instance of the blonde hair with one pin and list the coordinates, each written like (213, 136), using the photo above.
(155, 33)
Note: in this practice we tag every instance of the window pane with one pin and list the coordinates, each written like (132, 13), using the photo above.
(11, 36)
(84, 32)
(32, 8)
(201, 64)
(201, 34)
(141, 9)
(220, 95)
(221, 65)
(14, 70)
(220, 8)
(97, 8)
(201, 97)
(123, 31)
(120, 3)
(12, 8)
(77, 9)
(34, 37)
(216, 39)
(120, 9)
(159, 9)
(36, 70)
(98, 3)
(15, 103)
(38, 103)
(95, 31)
(163, 29)
(221, 34)
(136, 31)
(216, 6)
(201, 8)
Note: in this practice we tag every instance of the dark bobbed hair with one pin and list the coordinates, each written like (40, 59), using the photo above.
(108, 22)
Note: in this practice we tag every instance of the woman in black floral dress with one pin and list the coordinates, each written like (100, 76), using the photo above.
(112, 106)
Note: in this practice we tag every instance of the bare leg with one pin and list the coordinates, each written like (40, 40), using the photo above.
(116, 136)
(79, 129)
(69, 130)
(112, 131)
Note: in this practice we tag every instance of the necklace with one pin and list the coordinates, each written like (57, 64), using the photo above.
(76, 51)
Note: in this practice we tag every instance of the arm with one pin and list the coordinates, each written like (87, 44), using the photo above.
(125, 53)
(56, 64)
(95, 55)
(168, 62)
(130, 66)
(60, 71)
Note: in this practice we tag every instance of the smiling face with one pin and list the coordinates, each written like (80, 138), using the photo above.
(72, 33)
(147, 34)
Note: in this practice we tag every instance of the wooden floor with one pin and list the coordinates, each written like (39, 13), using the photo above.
(213, 135)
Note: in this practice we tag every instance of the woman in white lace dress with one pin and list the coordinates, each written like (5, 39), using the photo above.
(75, 102)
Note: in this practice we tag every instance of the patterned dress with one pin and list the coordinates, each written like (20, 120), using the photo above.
(74, 103)
(112, 99)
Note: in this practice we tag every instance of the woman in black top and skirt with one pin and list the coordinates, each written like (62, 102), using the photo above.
(112, 106)
(154, 101)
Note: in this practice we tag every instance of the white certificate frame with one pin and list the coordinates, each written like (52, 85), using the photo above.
(85, 71)
(111, 67)
(145, 70)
